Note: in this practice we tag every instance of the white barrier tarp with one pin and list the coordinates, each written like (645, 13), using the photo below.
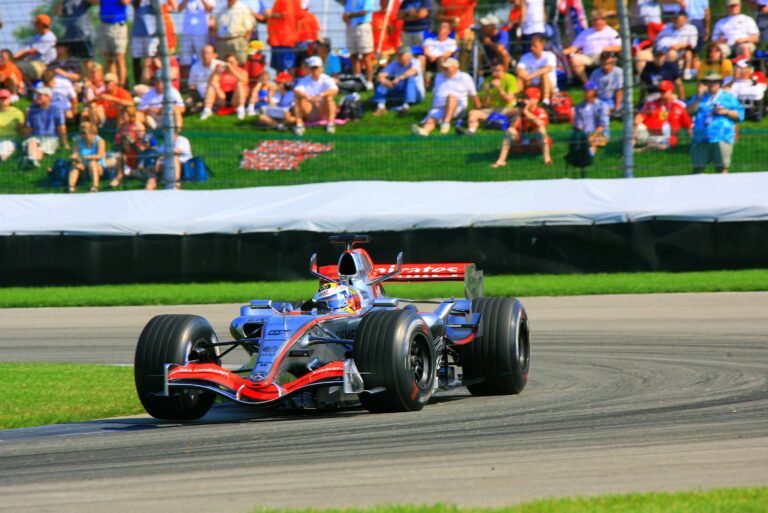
(390, 206)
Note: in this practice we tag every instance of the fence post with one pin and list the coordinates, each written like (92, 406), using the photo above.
(169, 170)
(627, 104)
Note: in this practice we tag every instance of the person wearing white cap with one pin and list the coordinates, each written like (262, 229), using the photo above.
(737, 34)
(494, 40)
(748, 90)
(11, 123)
(453, 88)
(315, 93)
(45, 127)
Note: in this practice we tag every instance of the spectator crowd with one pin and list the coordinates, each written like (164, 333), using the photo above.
(484, 73)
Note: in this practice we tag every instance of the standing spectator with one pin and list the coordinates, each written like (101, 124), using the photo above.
(233, 30)
(575, 18)
(182, 153)
(761, 16)
(66, 66)
(699, 16)
(609, 11)
(113, 36)
(11, 124)
(401, 81)
(281, 114)
(88, 156)
(610, 80)
(33, 59)
(437, 49)
(151, 106)
(262, 94)
(534, 17)
(658, 70)
(592, 118)
(77, 28)
(228, 85)
(453, 88)
(199, 76)
(737, 34)
(44, 128)
(307, 34)
(259, 12)
(461, 15)
(194, 33)
(716, 113)
(529, 130)
(144, 35)
(331, 62)
(388, 42)
(662, 119)
(586, 49)
(357, 17)
(104, 109)
(281, 28)
(315, 94)
(497, 96)
(63, 95)
(415, 15)
(10, 75)
(538, 68)
(679, 40)
(495, 41)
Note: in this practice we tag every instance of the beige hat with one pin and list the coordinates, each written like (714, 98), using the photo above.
(733, 2)
(450, 63)
(490, 20)
(110, 77)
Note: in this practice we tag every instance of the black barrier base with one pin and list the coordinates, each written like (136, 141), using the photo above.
(649, 246)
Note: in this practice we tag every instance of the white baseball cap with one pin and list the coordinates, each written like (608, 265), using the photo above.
(314, 62)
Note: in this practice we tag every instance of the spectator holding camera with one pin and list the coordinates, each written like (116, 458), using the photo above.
(227, 86)
(401, 81)
(528, 129)
(497, 96)
(88, 156)
(45, 127)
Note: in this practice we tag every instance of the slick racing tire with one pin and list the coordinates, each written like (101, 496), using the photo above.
(395, 354)
(172, 339)
(498, 360)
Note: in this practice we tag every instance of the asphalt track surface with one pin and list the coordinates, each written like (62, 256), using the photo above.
(627, 393)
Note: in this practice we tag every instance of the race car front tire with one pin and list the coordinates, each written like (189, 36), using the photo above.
(395, 354)
(171, 339)
(497, 361)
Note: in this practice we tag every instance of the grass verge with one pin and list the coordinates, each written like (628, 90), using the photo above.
(50, 393)
(508, 285)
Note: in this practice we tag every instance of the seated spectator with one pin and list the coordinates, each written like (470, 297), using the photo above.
(400, 82)
(657, 71)
(261, 95)
(715, 113)
(10, 75)
(88, 156)
(679, 40)
(592, 118)
(495, 41)
(528, 130)
(94, 84)
(104, 108)
(194, 33)
(736, 33)
(315, 94)
(715, 62)
(392, 28)
(331, 62)
(227, 87)
(151, 106)
(453, 88)
(498, 95)
(538, 68)
(64, 96)
(146, 160)
(153, 65)
(610, 80)
(199, 76)
(659, 121)
(11, 124)
(41, 50)
(280, 115)
(130, 140)
(66, 66)
(591, 43)
(437, 49)
(745, 86)
(44, 128)
(182, 153)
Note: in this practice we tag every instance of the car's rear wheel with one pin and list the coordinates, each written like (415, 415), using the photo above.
(395, 354)
(497, 362)
(173, 339)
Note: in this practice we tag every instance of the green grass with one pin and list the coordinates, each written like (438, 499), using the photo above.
(730, 500)
(526, 285)
(48, 393)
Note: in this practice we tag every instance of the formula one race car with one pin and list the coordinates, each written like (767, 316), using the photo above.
(349, 344)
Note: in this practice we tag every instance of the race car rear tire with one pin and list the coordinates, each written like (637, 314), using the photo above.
(500, 358)
(171, 339)
(395, 354)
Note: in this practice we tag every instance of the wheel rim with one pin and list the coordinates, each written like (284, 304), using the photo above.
(419, 361)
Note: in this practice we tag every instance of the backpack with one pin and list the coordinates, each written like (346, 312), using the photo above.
(497, 121)
(562, 108)
(351, 107)
(579, 152)
(195, 170)
(351, 83)
(58, 175)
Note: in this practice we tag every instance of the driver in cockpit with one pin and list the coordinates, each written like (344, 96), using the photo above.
(335, 298)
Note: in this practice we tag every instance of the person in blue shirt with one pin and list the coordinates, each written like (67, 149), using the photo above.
(44, 128)
(592, 117)
(113, 36)
(401, 81)
(715, 112)
(357, 16)
(77, 27)
(415, 16)
(495, 41)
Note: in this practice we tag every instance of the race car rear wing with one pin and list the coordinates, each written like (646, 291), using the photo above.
(410, 273)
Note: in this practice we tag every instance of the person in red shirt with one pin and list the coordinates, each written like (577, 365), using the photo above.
(392, 27)
(660, 120)
(282, 26)
(307, 34)
(461, 15)
(527, 131)
(106, 105)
